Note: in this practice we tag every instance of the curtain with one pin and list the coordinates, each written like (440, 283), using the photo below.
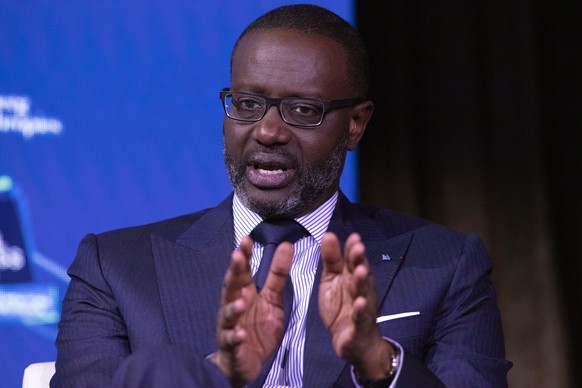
(477, 125)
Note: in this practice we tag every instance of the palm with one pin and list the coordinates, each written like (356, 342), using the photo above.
(250, 324)
(263, 323)
(347, 300)
(335, 307)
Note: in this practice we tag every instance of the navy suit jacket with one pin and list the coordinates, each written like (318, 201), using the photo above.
(142, 303)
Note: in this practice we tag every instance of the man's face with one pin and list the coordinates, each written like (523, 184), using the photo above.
(279, 170)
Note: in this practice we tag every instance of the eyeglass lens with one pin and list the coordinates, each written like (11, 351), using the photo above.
(294, 111)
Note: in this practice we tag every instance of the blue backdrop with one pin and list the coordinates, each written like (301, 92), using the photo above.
(109, 117)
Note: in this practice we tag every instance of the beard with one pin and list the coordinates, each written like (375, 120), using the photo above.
(313, 182)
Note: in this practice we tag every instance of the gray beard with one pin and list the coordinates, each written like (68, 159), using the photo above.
(314, 181)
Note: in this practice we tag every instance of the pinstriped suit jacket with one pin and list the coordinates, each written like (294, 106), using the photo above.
(141, 306)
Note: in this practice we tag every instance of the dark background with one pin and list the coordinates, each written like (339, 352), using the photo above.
(478, 125)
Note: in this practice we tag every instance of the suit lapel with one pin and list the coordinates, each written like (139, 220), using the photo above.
(319, 354)
(190, 271)
(385, 258)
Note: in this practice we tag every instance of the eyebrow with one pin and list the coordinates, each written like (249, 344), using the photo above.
(253, 89)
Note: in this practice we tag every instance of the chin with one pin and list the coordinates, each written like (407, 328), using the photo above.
(279, 203)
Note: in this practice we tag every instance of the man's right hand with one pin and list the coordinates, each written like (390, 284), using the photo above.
(250, 324)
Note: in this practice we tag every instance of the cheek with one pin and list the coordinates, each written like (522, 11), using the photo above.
(315, 149)
(317, 146)
(233, 138)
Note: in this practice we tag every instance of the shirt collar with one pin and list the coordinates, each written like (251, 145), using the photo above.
(316, 222)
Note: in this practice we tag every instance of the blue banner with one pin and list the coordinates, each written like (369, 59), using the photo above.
(109, 117)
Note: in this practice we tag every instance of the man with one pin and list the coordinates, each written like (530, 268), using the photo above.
(376, 298)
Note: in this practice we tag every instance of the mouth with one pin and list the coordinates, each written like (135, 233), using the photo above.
(270, 172)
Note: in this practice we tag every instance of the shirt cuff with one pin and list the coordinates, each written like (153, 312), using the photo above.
(398, 368)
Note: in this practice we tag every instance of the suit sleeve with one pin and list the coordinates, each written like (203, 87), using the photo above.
(466, 346)
(93, 349)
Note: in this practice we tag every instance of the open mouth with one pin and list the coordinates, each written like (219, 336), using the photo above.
(269, 168)
(270, 174)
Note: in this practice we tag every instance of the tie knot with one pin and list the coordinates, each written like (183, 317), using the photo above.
(275, 232)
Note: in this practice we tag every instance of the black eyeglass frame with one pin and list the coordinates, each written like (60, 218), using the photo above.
(328, 106)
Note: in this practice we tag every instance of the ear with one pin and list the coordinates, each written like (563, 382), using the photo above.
(358, 120)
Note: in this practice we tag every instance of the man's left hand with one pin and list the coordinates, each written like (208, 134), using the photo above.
(347, 305)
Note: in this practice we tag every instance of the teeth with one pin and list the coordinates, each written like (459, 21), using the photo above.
(270, 172)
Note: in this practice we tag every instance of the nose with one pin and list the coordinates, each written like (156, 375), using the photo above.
(271, 129)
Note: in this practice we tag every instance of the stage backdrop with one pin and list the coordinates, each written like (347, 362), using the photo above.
(109, 117)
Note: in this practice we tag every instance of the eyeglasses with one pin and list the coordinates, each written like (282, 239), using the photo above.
(300, 112)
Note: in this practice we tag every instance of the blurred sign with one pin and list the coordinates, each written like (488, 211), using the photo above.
(29, 304)
(14, 250)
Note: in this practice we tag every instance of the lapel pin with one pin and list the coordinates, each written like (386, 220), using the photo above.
(386, 257)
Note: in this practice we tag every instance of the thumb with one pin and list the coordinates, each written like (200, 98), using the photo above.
(280, 268)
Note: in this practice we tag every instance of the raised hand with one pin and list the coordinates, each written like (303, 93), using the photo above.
(250, 324)
(347, 305)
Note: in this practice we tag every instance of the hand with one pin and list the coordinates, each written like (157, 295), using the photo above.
(250, 324)
(347, 305)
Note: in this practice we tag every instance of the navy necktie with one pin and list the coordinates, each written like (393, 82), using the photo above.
(270, 234)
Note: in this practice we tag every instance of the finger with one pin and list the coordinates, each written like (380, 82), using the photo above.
(246, 246)
(229, 339)
(359, 306)
(355, 252)
(237, 276)
(364, 314)
(359, 311)
(362, 282)
(364, 294)
(331, 254)
(229, 314)
(280, 268)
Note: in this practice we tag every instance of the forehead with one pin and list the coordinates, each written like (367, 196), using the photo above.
(288, 62)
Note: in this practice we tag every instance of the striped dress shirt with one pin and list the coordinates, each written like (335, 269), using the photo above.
(287, 369)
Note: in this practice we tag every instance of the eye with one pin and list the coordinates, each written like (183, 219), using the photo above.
(247, 103)
(304, 109)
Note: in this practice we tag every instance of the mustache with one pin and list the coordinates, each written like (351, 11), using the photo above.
(279, 152)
